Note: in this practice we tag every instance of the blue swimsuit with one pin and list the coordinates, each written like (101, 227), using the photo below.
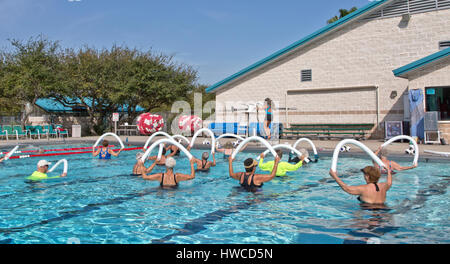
(104, 154)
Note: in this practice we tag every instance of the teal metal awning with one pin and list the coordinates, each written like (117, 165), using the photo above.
(404, 71)
(53, 106)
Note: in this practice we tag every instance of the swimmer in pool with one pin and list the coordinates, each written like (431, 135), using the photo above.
(227, 149)
(204, 164)
(283, 167)
(372, 192)
(139, 166)
(169, 178)
(41, 172)
(393, 166)
(248, 179)
(162, 160)
(174, 151)
(104, 152)
(2, 159)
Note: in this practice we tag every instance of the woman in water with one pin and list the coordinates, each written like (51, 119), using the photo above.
(393, 166)
(169, 178)
(104, 152)
(2, 159)
(174, 150)
(248, 179)
(268, 117)
(139, 166)
(227, 149)
(204, 164)
(372, 192)
(162, 160)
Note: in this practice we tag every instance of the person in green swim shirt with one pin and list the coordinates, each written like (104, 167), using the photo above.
(41, 173)
(283, 167)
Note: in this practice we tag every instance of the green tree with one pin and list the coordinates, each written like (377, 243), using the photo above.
(342, 13)
(28, 71)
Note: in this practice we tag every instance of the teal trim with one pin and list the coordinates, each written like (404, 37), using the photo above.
(421, 63)
(303, 41)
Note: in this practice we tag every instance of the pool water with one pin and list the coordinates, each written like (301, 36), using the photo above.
(99, 202)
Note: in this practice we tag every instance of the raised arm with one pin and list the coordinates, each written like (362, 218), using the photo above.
(294, 167)
(354, 190)
(114, 153)
(214, 160)
(264, 177)
(397, 167)
(389, 179)
(186, 177)
(154, 177)
(95, 152)
(233, 175)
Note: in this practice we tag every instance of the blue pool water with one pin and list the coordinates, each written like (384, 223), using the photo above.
(99, 202)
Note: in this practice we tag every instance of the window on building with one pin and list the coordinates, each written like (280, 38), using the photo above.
(444, 45)
(306, 75)
(438, 99)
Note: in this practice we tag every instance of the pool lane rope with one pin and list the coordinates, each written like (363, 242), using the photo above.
(416, 147)
(316, 155)
(9, 154)
(283, 146)
(210, 133)
(66, 166)
(254, 138)
(64, 153)
(160, 143)
(159, 133)
(337, 150)
(52, 150)
(108, 134)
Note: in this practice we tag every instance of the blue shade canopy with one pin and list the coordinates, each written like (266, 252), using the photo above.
(51, 105)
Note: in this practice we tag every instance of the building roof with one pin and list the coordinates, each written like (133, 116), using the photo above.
(51, 105)
(418, 64)
(337, 24)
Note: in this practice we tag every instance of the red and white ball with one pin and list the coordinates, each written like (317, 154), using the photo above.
(148, 123)
(189, 123)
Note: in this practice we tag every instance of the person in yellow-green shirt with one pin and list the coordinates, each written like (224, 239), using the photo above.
(41, 173)
(283, 167)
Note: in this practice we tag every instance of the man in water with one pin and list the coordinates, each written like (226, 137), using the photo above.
(248, 179)
(105, 152)
(393, 166)
(372, 192)
(283, 167)
(41, 172)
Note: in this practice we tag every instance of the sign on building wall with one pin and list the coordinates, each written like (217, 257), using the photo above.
(393, 129)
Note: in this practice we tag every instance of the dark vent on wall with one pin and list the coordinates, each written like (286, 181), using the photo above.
(402, 7)
(306, 75)
(444, 45)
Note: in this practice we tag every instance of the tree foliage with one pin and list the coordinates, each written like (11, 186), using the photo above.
(342, 13)
(102, 81)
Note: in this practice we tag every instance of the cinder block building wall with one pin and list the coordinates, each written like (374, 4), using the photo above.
(351, 73)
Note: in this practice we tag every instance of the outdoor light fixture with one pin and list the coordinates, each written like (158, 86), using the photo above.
(406, 17)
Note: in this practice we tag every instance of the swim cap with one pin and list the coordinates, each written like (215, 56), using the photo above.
(139, 155)
(205, 155)
(170, 163)
(304, 152)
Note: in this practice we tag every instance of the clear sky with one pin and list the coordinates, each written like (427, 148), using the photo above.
(216, 37)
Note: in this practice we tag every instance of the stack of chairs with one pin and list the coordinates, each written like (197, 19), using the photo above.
(16, 131)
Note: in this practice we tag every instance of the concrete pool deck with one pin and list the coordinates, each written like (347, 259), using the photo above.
(324, 147)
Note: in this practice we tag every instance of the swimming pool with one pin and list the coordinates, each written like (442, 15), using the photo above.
(99, 202)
